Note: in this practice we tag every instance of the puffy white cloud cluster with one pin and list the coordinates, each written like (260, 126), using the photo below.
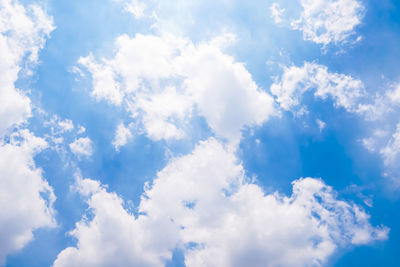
(23, 32)
(82, 147)
(277, 12)
(66, 125)
(164, 80)
(345, 91)
(122, 135)
(203, 204)
(329, 21)
(26, 198)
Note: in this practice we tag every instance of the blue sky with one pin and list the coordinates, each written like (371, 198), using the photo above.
(199, 133)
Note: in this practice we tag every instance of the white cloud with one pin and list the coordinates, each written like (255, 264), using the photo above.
(329, 21)
(122, 136)
(81, 129)
(391, 151)
(66, 125)
(394, 95)
(22, 33)
(26, 198)
(277, 12)
(135, 7)
(82, 147)
(164, 112)
(172, 78)
(378, 109)
(59, 133)
(114, 237)
(203, 204)
(103, 78)
(345, 91)
(223, 90)
(321, 124)
(369, 143)
(381, 111)
(376, 140)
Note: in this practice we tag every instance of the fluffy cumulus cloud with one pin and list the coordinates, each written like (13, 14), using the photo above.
(329, 21)
(66, 125)
(22, 34)
(122, 135)
(277, 12)
(26, 198)
(203, 204)
(345, 91)
(114, 237)
(82, 147)
(394, 95)
(174, 79)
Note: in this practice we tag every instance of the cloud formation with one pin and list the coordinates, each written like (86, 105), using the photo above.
(173, 79)
(345, 91)
(26, 198)
(329, 21)
(122, 135)
(203, 204)
(135, 7)
(379, 110)
(82, 147)
(324, 22)
(277, 12)
(23, 33)
(168, 82)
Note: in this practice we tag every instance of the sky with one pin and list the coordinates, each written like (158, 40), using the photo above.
(199, 133)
